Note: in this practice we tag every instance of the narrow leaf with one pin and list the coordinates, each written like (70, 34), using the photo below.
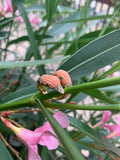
(6, 21)
(101, 96)
(4, 154)
(115, 88)
(31, 35)
(97, 54)
(21, 94)
(36, 8)
(98, 137)
(3, 35)
(18, 64)
(58, 28)
(51, 8)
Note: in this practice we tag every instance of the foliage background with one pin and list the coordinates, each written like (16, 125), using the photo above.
(68, 38)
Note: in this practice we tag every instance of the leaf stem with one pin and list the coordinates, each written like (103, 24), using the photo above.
(83, 107)
(27, 102)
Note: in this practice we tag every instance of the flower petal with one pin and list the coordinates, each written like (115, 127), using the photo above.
(49, 140)
(110, 127)
(60, 117)
(106, 116)
(118, 120)
(28, 136)
(32, 154)
(7, 7)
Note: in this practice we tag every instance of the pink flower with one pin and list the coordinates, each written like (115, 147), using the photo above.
(48, 133)
(85, 152)
(7, 7)
(43, 135)
(115, 74)
(105, 118)
(19, 18)
(114, 128)
(35, 21)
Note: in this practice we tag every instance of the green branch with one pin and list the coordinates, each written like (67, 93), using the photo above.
(114, 107)
(29, 102)
(82, 87)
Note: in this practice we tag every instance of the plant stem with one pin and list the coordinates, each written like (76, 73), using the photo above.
(83, 107)
(27, 102)
(82, 87)
(30, 101)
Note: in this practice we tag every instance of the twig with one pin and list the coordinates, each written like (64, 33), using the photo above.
(9, 74)
(6, 89)
(11, 148)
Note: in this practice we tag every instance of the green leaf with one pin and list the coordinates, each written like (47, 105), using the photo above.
(51, 8)
(23, 38)
(109, 22)
(18, 40)
(35, 8)
(65, 9)
(21, 94)
(88, 27)
(31, 35)
(28, 54)
(93, 93)
(44, 153)
(6, 21)
(18, 64)
(77, 97)
(115, 88)
(90, 18)
(97, 54)
(98, 137)
(3, 35)
(101, 96)
(58, 29)
(4, 154)
(71, 150)
(85, 39)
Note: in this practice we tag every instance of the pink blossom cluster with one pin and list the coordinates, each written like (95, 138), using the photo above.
(8, 8)
(43, 135)
(113, 129)
(34, 20)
